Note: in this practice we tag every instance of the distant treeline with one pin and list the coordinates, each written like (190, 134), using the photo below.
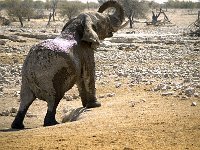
(38, 4)
(53, 9)
(31, 9)
(182, 4)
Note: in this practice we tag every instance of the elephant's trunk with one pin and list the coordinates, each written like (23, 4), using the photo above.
(118, 17)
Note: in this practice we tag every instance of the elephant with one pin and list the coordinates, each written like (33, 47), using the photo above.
(53, 66)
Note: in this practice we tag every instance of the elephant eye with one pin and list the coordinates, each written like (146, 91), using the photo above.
(94, 28)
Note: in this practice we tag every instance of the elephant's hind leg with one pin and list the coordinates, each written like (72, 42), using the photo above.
(50, 118)
(26, 98)
(53, 101)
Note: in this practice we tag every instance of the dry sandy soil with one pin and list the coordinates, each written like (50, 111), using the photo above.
(134, 118)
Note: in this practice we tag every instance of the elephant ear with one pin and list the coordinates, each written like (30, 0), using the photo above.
(89, 34)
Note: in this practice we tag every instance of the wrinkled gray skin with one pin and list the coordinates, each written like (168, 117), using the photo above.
(52, 67)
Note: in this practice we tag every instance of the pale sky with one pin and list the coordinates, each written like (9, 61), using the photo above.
(158, 1)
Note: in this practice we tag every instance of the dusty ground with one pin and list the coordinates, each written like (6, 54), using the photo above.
(134, 118)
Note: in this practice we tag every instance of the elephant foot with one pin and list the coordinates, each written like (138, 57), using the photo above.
(17, 125)
(50, 119)
(50, 123)
(18, 122)
(93, 104)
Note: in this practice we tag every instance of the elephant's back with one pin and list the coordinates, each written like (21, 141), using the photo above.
(41, 60)
(40, 68)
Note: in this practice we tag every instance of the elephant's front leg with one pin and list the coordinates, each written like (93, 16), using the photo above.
(86, 86)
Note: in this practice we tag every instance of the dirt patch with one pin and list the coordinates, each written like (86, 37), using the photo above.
(133, 120)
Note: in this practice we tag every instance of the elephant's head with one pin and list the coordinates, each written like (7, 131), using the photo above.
(117, 18)
(99, 26)
(93, 27)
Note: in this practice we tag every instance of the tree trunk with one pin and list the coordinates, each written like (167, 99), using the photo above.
(50, 15)
(53, 14)
(21, 22)
(154, 18)
(131, 22)
(29, 18)
(88, 7)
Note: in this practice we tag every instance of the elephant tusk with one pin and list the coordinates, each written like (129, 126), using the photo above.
(124, 25)
(120, 27)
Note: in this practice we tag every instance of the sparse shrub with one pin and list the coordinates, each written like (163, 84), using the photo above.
(71, 8)
(20, 9)
(39, 14)
(182, 4)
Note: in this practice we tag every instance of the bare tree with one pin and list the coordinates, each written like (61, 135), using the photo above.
(54, 4)
(19, 9)
(71, 8)
(195, 27)
(28, 8)
(47, 4)
(134, 9)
